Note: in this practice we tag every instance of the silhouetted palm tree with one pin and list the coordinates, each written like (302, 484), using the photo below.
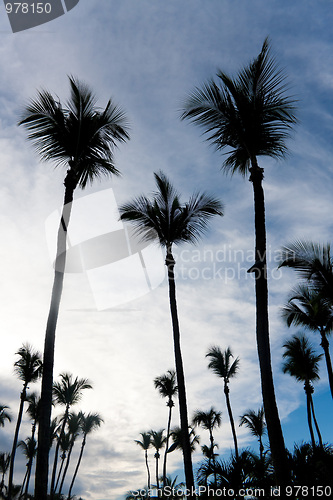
(28, 368)
(303, 363)
(82, 138)
(4, 415)
(208, 420)
(220, 364)
(67, 393)
(250, 116)
(167, 387)
(157, 441)
(4, 465)
(88, 424)
(176, 435)
(145, 444)
(74, 427)
(255, 421)
(166, 219)
(308, 308)
(29, 449)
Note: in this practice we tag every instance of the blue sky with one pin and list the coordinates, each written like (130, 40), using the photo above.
(148, 55)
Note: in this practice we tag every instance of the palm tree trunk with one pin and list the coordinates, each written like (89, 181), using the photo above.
(53, 487)
(212, 454)
(63, 458)
(170, 404)
(66, 468)
(325, 345)
(148, 471)
(170, 263)
(315, 422)
(17, 430)
(231, 418)
(274, 429)
(42, 464)
(307, 389)
(28, 478)
(77, 467)
(157, 456)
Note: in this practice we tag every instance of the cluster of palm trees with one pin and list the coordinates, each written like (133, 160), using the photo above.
(65, 429)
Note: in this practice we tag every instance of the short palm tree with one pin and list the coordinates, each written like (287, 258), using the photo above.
(4, 465)
(29, 449)
(67, 392)
(167, 387)
(302, 362)
(88, 423)
(255, 421)
(82, 138)
(145, 444)
(220, 363)
(250, 116)
(4, 415)
(176, 435)
(170, 222)
(28, 368)
(309, 308)
(157, 441)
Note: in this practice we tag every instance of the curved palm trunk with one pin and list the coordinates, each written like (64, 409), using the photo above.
(315, 422)
(42, 464)
(17, 430)
(63, 458)
(231, 418)
(308, 391)
(77, 466)
(274, 429)
(170, 404)
(170, 263)
(325, 345)
(66, 467)
(148, 471)
(53, 487)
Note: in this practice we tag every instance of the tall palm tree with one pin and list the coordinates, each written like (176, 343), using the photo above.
(82, 138)
(74, 427)
(170, 222)
(250, 116)
(309, 308)
(29, 449)
(89, 423)
(302, 362)
(4, 415)
(67, 392)
(167, 387)
(208, 420)
(255, 421)
(220, 364)
(157, 441)
(145, 444)
(28, 368)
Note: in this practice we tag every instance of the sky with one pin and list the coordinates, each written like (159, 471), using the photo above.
(148, 55)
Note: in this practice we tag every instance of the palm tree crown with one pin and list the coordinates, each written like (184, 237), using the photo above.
(4, 415)
(28, 367)
(220, 363)
(301, 360)
(68, 392)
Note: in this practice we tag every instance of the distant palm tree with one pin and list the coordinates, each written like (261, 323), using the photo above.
(28, 368)
(255, 421)
(67, 392)
(82, 138)
(208, 420)
(145, 444)
(4, 415)
(176, 435)
(74, 427)
(309, 308)
(157, 442)
(167, 387)
(303, 363)
(220, 363)
(29, 449)
(250, 116)
(4, 465)
(89, 423)
(167, 220)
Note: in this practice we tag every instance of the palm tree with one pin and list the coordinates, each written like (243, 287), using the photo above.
(166, 219)
(251, 116)
(157, 441)
(167, 387)
(4, 415)
(255, 421)
(220, 364)
(33, 401)
(28, 368)
(29, 449)
(73, 424)
(303, 363)
(4, 465)
(67, 392)
(308, 308)
(208, 420)
(145, 444)
(88, 424)
(82, 138)
(176, 435)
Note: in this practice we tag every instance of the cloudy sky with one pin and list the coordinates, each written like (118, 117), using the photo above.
(148, 55)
